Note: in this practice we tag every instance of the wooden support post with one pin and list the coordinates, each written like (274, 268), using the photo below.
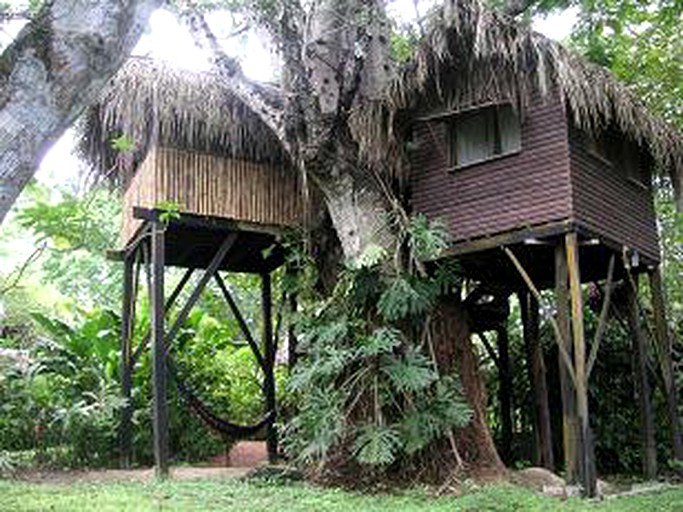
(269, 352)
(292, 354)
(159, 363)
(665, 351)
(169, 304)
(587, 474)
(241, 322)
(569, 421)
(489, 349)
(127, 323)
(537, 378)
(505, 393)
(642, 387)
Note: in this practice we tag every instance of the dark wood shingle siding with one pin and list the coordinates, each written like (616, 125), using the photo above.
(528, 188)
(607, 203)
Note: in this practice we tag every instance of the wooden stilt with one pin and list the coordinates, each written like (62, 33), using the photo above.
(292, 354)
(269, 352)
(241, 322)
(569, 421)
(665, 351)
(648, 446)
(530, 322)
(586, 468)
(505, 393)
(169, 304)
(127, 322)
(489, 349)
(159, 366)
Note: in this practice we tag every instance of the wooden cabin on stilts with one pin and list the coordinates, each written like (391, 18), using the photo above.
(539, 163)
(202, 194)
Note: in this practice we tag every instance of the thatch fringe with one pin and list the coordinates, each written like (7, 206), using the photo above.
(153, 103)
(472, 55)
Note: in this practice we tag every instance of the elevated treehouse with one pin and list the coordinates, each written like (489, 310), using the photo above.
(540, 185)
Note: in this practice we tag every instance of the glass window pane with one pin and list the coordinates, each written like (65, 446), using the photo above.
(510, 133)
(483, 134)
(474, 138)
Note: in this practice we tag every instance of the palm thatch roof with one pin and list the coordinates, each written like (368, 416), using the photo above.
(150, 103)
(472, 55)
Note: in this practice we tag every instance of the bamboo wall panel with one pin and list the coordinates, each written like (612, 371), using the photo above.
(141, 191)
(609, 204)
(205, 184)
(529, 188)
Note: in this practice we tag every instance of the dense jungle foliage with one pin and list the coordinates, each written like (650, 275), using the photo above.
(59, 391)
(60, 334)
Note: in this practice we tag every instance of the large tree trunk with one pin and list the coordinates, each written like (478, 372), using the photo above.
(340, 63)
(359, 211)
(54, 69)
(454, 351)
(360, 204)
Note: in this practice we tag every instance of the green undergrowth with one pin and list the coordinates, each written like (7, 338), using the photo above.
(246, 496)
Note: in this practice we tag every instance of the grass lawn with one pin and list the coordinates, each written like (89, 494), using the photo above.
(258, 496)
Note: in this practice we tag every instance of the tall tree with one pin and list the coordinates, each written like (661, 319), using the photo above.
(53, 70)
(336, 61)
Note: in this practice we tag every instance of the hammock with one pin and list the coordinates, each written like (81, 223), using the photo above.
(221, 426)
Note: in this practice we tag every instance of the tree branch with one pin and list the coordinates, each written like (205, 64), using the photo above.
(38, 251)
(53, 69)
(249, 93)
(24, 15)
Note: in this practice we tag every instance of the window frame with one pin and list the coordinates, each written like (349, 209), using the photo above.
(493, 109)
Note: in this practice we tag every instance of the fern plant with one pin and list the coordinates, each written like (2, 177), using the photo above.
(367, 385)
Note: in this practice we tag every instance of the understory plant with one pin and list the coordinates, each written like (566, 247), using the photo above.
(369, 385)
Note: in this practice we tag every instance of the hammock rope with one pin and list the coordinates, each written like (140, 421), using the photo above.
(223, 427)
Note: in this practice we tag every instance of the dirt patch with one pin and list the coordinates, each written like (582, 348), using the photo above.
(127, 475)
(245, 454)
(243, 458)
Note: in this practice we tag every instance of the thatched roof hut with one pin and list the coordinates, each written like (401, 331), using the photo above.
(153, 103)
(473, 55)
(470, 55)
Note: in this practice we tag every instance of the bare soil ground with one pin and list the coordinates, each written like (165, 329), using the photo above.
(245, 454)
(243, 457)
(127, 475)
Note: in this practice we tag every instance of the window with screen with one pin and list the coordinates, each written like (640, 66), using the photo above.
(483, 134)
